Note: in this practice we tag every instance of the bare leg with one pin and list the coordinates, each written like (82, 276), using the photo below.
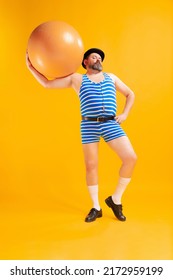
(91, 164)
(123, 148)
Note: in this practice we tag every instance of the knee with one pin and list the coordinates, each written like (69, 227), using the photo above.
(134, 158)
(131, 159)
(91, 165)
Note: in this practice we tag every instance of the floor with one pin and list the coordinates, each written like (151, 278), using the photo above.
(52, 227)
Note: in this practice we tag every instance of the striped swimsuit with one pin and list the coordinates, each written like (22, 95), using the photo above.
(98, 100)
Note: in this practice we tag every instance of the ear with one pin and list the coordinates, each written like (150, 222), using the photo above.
(85, 61)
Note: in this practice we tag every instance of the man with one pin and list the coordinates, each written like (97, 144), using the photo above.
(97, 93)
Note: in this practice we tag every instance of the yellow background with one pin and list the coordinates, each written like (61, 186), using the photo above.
(43, 196)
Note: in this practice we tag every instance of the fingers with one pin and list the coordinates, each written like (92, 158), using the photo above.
(28, 62)
(119, 119)
(27, 56)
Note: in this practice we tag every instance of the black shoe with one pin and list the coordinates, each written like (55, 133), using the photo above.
(93, 215)
(116, 208)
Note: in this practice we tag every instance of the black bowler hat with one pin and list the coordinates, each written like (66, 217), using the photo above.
(93, 50)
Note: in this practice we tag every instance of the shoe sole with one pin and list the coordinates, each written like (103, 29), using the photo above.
(94, 219)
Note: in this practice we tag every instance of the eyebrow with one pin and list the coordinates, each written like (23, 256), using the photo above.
(96, 55)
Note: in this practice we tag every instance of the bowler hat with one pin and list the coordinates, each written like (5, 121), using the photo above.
(92, 50)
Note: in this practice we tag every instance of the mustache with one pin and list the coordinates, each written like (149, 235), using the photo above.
(96, 66)
(97, 62)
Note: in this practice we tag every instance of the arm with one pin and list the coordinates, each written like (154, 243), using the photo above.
(128, 93)
(65, 82)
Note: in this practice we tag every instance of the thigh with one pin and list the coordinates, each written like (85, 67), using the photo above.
(122, 147)
(91, 152)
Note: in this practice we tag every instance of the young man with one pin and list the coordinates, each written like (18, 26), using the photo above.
(97, 93)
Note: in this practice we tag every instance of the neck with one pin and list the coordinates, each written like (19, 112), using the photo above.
(93, 72)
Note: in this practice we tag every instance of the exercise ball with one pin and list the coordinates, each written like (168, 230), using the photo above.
(55, 49)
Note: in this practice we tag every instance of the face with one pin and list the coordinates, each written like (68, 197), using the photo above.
(94, 61)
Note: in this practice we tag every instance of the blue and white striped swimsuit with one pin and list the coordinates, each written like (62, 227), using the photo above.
(98, 100)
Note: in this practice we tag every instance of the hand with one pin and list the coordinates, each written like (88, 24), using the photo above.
(28, 62)
(121, 118)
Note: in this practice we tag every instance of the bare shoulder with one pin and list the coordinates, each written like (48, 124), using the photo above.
(115, 78)
(112, 76)
(76, 79)
(120, 85)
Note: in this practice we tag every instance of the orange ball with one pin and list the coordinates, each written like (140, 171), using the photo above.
(55, 49)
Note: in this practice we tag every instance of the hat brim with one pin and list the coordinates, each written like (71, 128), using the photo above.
(92, 50)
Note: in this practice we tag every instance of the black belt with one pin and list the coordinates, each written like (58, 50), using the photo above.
(98, 119)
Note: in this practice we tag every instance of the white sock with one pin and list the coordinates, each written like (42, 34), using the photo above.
(121, 186)
(93, 191)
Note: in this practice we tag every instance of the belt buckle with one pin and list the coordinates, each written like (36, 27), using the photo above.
(99, 119)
